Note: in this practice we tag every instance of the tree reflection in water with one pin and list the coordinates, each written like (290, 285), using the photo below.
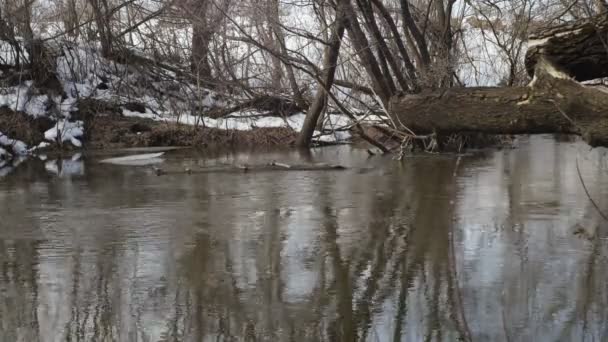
(434, 248)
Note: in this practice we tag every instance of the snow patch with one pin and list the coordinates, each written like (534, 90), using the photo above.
(337, 136)
(4, 157)
(535, 42)
(17, 146)
(66, 131)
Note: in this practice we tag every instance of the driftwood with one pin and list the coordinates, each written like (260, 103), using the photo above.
(554, 102)
(277, 105)
(274, 166)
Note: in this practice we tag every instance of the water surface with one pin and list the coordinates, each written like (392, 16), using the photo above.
(493, 246)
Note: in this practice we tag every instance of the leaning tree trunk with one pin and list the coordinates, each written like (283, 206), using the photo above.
(554, 102)
(326, 79)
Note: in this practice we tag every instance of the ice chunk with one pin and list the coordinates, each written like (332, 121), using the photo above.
(136, 159)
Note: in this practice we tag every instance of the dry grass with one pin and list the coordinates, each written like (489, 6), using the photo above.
(105, 127)
(134, 132)
(23, 127)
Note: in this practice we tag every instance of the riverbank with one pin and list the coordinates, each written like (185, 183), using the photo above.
(124, 132)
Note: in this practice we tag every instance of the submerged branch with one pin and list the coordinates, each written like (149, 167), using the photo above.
(274, 166)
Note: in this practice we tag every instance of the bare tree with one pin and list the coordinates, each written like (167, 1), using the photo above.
(330, 60)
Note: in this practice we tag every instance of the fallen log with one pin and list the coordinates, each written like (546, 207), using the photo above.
(275, 105)
(554, 102)
(274, 166)
(579, 48)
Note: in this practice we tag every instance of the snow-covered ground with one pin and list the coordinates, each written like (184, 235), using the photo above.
(65, 130)
(84, 74)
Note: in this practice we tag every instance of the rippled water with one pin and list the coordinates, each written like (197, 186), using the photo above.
(493, 246)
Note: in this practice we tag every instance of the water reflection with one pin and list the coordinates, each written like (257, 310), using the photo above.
(501, 246)
(66, 167)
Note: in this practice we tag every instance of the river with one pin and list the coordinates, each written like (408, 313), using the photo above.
(489, 246)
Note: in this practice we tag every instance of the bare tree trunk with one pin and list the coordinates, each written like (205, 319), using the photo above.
(409, 66)
(102, 16)
(201, 37)
(199, 60)
(265, 18)
(444, 45)
(24, 17)
(326, 79)
(368, 60)
(70, 18)
(387, 57)
(18, 14)
(411, 29)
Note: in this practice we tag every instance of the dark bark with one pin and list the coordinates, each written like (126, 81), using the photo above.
(444, 46)
(276, 105)
(387, 57)
(368, 60)
(70, 18)
(278, 32)
(354, 86)
(550, 105)
(200, 54)
(409, 66)
(409, 26)
(201, 37)
(580, 49)
(383, 61)
(103, 17)
(554, 102)
(326, 79)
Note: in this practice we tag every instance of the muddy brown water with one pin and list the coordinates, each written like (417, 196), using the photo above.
(492, 246)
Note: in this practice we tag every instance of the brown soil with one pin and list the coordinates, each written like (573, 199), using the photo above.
(105, 128)
(136, 132)
(23, 127)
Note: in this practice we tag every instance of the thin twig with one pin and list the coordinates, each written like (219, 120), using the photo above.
(563, 113)
(580, 177)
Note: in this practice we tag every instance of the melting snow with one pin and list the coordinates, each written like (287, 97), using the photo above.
(65, 131)
(17, 146)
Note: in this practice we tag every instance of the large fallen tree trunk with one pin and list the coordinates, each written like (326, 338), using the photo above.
(580, 48)
(554, 102)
